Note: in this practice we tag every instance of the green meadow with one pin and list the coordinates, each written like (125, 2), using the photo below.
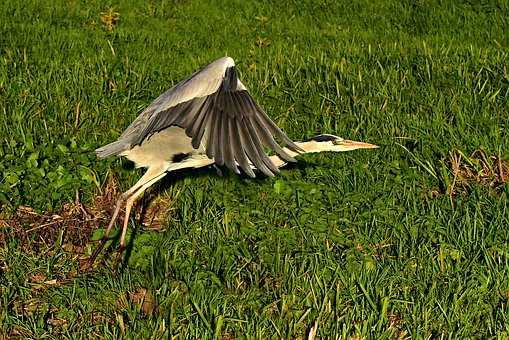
(410, 240)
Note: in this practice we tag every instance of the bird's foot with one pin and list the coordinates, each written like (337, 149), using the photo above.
(90, 263)
(118, 258)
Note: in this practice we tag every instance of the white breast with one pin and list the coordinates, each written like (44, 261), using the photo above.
(161, 147)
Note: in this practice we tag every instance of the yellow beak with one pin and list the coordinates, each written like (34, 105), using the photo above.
(352, 145)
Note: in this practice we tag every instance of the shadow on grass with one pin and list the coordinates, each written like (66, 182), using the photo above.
(174, 177)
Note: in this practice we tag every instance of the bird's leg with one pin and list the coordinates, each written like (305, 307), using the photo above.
(140, 186)
(148, 181)
(128, 206)
(106, 235)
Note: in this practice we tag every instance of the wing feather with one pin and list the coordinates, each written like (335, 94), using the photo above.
(197, 139)
(269, 141)
(250, 149)
(199, 124)
(240, 154)
(213, 136)
(229, 148)
(219, 149)
(259, 147)
(216, 111)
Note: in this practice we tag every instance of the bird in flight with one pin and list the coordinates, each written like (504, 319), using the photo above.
(208, 118)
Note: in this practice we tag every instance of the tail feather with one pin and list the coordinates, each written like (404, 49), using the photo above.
(111, 149)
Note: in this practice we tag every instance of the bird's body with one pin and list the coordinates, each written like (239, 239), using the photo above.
(217, 113)
(199, 85)
(167, 147)
(207, 118)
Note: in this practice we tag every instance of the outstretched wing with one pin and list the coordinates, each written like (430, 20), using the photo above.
(216, 111)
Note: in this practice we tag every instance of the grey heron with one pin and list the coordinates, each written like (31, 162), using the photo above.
(208, 118)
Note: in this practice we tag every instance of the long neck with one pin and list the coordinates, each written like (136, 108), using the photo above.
(318, 143)
(308, 147)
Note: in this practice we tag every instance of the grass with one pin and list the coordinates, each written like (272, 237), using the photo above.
(363, 244)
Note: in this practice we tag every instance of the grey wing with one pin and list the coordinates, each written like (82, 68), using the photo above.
(200, 84)
(228, 122)
(236, 130)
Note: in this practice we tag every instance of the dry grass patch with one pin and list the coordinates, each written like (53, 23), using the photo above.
(142, 298)
(154, 210)
(478, 168)
(109, 18)
(72, 225)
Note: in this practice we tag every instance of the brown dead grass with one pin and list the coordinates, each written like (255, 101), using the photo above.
(145, 300)
(478, 168)
(154, 210)
(109, 18)
(141, 297)
(73, 224)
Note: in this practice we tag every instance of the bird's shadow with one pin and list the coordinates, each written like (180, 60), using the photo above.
(174, 177)
(170, 179)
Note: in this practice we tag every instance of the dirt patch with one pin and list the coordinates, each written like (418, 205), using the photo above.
(478, 168)
(72, 225)
(142, 298)
(38, 232)
(154, 210)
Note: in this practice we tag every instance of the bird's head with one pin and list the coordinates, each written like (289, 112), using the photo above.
(334, 143)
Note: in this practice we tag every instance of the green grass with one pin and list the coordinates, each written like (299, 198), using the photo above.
(359, 242)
